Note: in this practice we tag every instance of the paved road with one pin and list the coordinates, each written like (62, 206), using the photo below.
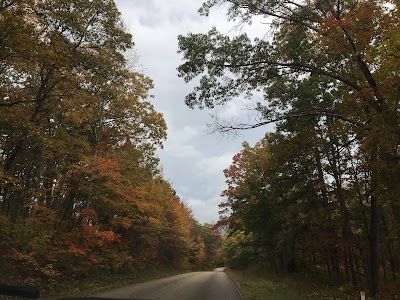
(190, 286)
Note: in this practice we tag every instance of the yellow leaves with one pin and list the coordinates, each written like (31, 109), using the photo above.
(358, 231)
(5, 178)
(387, 51)
(155, 223)
(124, 222)
(201, 255)
(139, 85)
(81, 134)
(49, 271)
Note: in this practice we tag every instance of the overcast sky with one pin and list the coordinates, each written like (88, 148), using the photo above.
(193, 160)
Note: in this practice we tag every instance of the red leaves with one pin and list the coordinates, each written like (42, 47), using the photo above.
(76, 251)
(352, 31)
(86, 239)
(105, 168)
(86, 214)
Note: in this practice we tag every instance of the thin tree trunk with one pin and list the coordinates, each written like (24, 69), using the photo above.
(383, 259)
(344, 212)
(98, 129)
(389, 245)
(373, 245)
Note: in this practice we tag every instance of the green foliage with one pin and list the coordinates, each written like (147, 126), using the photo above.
(328, 76)
(238, 249)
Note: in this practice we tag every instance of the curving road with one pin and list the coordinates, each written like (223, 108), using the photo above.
(214, 285)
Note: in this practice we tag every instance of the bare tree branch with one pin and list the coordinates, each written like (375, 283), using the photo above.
(220, 127)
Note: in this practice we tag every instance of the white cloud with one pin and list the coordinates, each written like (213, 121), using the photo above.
(192, 160)
(231, 110)
(155, 13)
(214, 165)
(181, 151)
(179, 143)
(206, 211)
(190, 132)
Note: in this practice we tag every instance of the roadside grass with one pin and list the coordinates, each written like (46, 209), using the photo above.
(96, 282)
(102, 281)
(257, 284)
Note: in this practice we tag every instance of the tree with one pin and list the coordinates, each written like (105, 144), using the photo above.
(336, 46)
(237, 249)
(78, 137)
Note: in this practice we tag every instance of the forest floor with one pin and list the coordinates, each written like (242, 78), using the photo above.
(258, 284)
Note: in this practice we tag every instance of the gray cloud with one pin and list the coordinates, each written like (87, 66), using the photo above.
(193, 161)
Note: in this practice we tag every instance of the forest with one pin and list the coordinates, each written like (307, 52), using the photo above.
(320, 194)
(81, 187)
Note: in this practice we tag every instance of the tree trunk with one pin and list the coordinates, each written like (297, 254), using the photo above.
(373, 246)
(389, 245)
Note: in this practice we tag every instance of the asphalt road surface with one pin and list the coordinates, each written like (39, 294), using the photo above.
(214, 285)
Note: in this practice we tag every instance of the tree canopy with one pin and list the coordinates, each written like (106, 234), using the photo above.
(329, 76)
(81, 188)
